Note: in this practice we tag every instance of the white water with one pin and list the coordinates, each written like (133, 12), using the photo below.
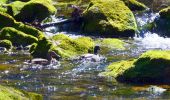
(153, 41)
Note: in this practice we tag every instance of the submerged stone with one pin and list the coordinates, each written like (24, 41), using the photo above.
(9, 93)
(109, 18)
(33, 10)
(150, 67)
(6, 43)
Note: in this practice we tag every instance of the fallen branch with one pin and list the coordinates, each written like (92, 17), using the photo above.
(66, 21)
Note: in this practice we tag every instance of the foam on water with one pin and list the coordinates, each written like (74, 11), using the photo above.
(153, 41)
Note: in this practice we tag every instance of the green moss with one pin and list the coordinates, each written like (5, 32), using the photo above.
(150, 67)
(134, 5)
(111, 43)
(8, 93)
(17, 37)
(165, 13)
(109, 18)
(68, 47)
(6, 43)
(30, 11)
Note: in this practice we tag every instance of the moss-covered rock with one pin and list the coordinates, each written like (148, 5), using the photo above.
(150, 67)
(6, 43)
(109, 18)
(68, 47)
(63, 45)
(17, 37)
(33, 10)
(134, 5)
(9, 93)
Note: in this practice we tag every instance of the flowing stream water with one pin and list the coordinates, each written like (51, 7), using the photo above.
(73, 80)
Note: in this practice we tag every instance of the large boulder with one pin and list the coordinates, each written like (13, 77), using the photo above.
(33, 10)
(151, 67)
(109, 18)
(9, 93)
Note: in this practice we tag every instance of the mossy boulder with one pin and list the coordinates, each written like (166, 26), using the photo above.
(63, 45)
(68, 47)
(134, 5)
(109, 18)
(17, 37)
(9, 93)
(152, 67)
(33, 10)
(6, 43)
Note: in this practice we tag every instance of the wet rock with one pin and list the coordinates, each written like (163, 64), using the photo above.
(31, 11)
(150, 67)
(9, 93)
(109, 18)
(17, 37)
(6, 43)
(134, 5)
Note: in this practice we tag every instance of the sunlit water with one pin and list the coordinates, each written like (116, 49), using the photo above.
(78, 79)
